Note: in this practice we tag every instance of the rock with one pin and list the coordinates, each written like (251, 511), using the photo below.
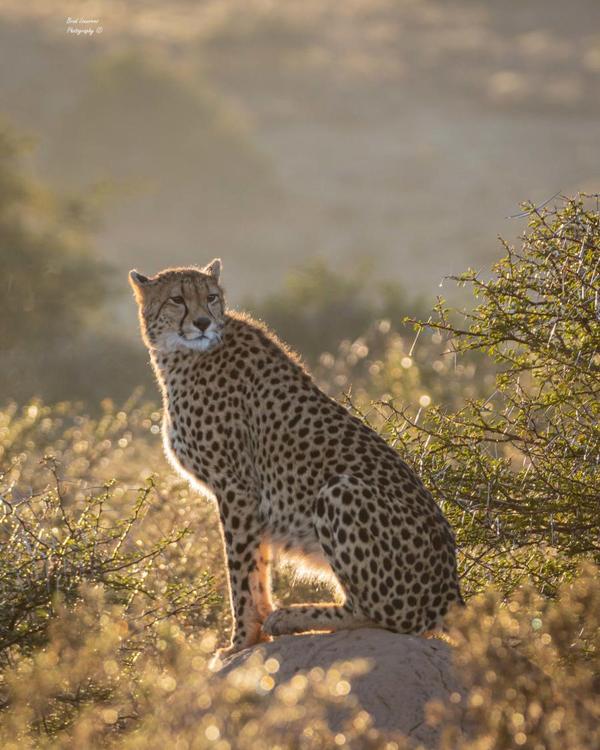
(405, 673)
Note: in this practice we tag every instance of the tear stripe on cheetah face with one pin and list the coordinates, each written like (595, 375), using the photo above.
(287, 463)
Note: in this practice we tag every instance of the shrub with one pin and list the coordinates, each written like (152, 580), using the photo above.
(61, 532)
(517, 471)
(52, 546)
(80, 692)
(531, 670)
(529, 667)
(385, 366)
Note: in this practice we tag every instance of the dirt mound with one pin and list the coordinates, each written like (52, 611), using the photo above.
(405, 673)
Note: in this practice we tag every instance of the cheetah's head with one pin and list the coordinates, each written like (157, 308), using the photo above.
(181, 308)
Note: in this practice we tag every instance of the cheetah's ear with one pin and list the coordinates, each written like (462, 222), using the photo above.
(213, 269)
(138, 282)
(137, 279)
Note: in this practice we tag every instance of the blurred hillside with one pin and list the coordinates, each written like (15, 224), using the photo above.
(272, 133)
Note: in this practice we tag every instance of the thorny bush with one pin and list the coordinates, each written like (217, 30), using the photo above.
(517, 470)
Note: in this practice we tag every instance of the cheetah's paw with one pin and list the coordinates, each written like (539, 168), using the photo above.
(275, 623)
(283, 622)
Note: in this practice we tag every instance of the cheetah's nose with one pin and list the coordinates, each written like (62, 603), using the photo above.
(202, 323)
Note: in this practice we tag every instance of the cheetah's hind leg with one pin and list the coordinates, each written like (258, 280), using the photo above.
(301, 618)
(360, 537)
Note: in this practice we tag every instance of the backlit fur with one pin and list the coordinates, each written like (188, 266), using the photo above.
(291, 471)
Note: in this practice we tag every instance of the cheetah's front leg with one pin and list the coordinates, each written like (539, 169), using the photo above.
(248, 564)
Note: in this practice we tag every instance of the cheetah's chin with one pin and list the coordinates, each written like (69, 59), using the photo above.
(175, 342)
(201, 343)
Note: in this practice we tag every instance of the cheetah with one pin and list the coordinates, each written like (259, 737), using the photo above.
(292, 471)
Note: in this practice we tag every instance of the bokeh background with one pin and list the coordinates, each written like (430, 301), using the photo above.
(341, 157)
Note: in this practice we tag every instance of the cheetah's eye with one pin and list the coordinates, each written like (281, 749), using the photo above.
(212, 297)
(179, 300)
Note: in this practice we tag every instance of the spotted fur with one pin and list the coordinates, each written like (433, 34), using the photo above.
(291, 470)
